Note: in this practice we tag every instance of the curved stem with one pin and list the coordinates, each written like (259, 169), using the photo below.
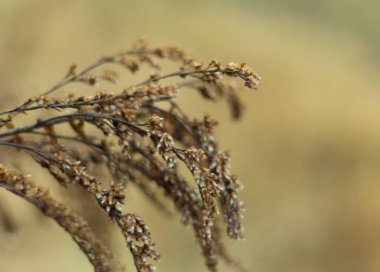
(89, 116)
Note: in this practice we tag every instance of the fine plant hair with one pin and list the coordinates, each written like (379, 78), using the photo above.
(141, 135)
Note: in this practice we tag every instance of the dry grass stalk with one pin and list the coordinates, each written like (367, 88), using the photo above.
(142, 143)
(73, 223)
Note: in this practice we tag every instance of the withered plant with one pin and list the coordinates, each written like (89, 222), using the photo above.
(142, 136)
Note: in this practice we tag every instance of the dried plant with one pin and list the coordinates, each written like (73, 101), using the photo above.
(141, 135)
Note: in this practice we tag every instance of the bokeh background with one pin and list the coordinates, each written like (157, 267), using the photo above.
(307, 149)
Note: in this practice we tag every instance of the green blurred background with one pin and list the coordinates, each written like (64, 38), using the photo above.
(307, 149)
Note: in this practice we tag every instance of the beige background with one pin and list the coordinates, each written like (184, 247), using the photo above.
(307, 150)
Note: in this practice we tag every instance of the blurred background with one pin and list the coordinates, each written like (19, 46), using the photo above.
(307, 149)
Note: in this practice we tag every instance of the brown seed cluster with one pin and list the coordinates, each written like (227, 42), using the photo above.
(138, 240)
(141, 135)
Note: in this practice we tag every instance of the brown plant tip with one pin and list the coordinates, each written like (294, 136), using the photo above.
(142, 136)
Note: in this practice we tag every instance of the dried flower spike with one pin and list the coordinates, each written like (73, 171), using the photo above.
(142, 136)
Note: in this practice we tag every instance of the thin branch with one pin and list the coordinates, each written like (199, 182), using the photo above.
(88, 116)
